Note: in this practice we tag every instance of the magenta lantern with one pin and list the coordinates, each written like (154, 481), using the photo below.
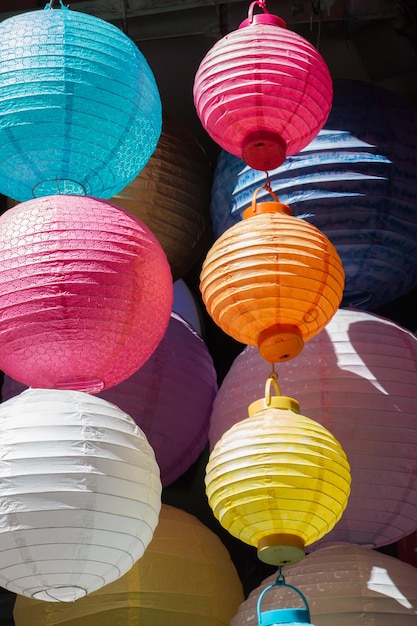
(263, 92)
(170, 398)
(358, 378)
(85, 293)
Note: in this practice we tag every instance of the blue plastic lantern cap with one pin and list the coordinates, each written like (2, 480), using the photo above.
(80, 111)
(356, 182)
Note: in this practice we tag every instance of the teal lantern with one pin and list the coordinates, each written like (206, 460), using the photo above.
(80, 111)
(292, 616)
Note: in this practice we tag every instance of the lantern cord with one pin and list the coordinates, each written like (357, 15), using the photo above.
(273, 373)
(280, 579)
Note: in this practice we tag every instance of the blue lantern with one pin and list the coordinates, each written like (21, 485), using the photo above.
(289, 616)
(355, 182)
(80, 111)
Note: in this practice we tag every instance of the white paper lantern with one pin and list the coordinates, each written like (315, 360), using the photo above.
(80, 494)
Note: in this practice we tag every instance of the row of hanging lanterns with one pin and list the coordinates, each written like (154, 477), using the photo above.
(129, 268)
(86, 297)
(277, 480)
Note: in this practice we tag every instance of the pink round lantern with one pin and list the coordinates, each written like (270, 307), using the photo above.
(263, 92)
(344, 585)
(85, 296)
(170, 398)
(358, 378)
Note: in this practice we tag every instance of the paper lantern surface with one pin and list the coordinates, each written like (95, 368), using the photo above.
(272, 272)
(345, 585)
(80, 109)
(185, 575)
(277, 473)
(170, 398)
(358, 378)
(81, 494)
(85, 296)
(355, 182)
(171, 195)
(263, 92)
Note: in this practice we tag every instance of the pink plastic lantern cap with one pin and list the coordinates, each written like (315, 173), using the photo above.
(85, 296)
(262, 92)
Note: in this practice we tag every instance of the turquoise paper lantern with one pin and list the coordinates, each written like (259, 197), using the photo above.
(80, 111)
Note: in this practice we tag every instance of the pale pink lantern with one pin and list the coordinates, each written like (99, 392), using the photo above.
(262, 92)
(170, 398)
(345, 586)
(85, 293)
(358, 378)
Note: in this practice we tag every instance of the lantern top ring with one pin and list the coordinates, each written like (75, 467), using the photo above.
(50, 5)
(266, 207)
(273, 402)
(264, 18)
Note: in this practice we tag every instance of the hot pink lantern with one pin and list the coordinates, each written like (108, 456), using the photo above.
(85, 293)
(358, 378)
(170, 398)
(263, 92)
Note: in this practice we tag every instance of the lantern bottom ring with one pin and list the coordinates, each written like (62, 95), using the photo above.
(60, 593)
(80, 383)
(281, 549)
(280, 342)
(58, 186)
(264, 150)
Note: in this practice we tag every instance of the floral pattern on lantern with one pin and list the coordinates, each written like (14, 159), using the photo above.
(263, 92)
(345, 585)
(272, 281)
(277, 480)
(85, 296)
(80, 496)
(171, 196)
(80, 109)
(358, 378)
(170, 398)
(355, 182)
(185, 572)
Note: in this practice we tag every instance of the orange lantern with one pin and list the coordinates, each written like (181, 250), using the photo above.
(272, 281)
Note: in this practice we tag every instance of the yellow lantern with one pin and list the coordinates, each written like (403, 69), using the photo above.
(272, 281)
(277, 480)
(186, 577)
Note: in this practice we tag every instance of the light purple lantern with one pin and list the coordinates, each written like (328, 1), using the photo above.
(358, 378)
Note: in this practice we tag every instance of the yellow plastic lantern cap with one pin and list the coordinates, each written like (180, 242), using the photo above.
(273, 281)
(278, 480)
